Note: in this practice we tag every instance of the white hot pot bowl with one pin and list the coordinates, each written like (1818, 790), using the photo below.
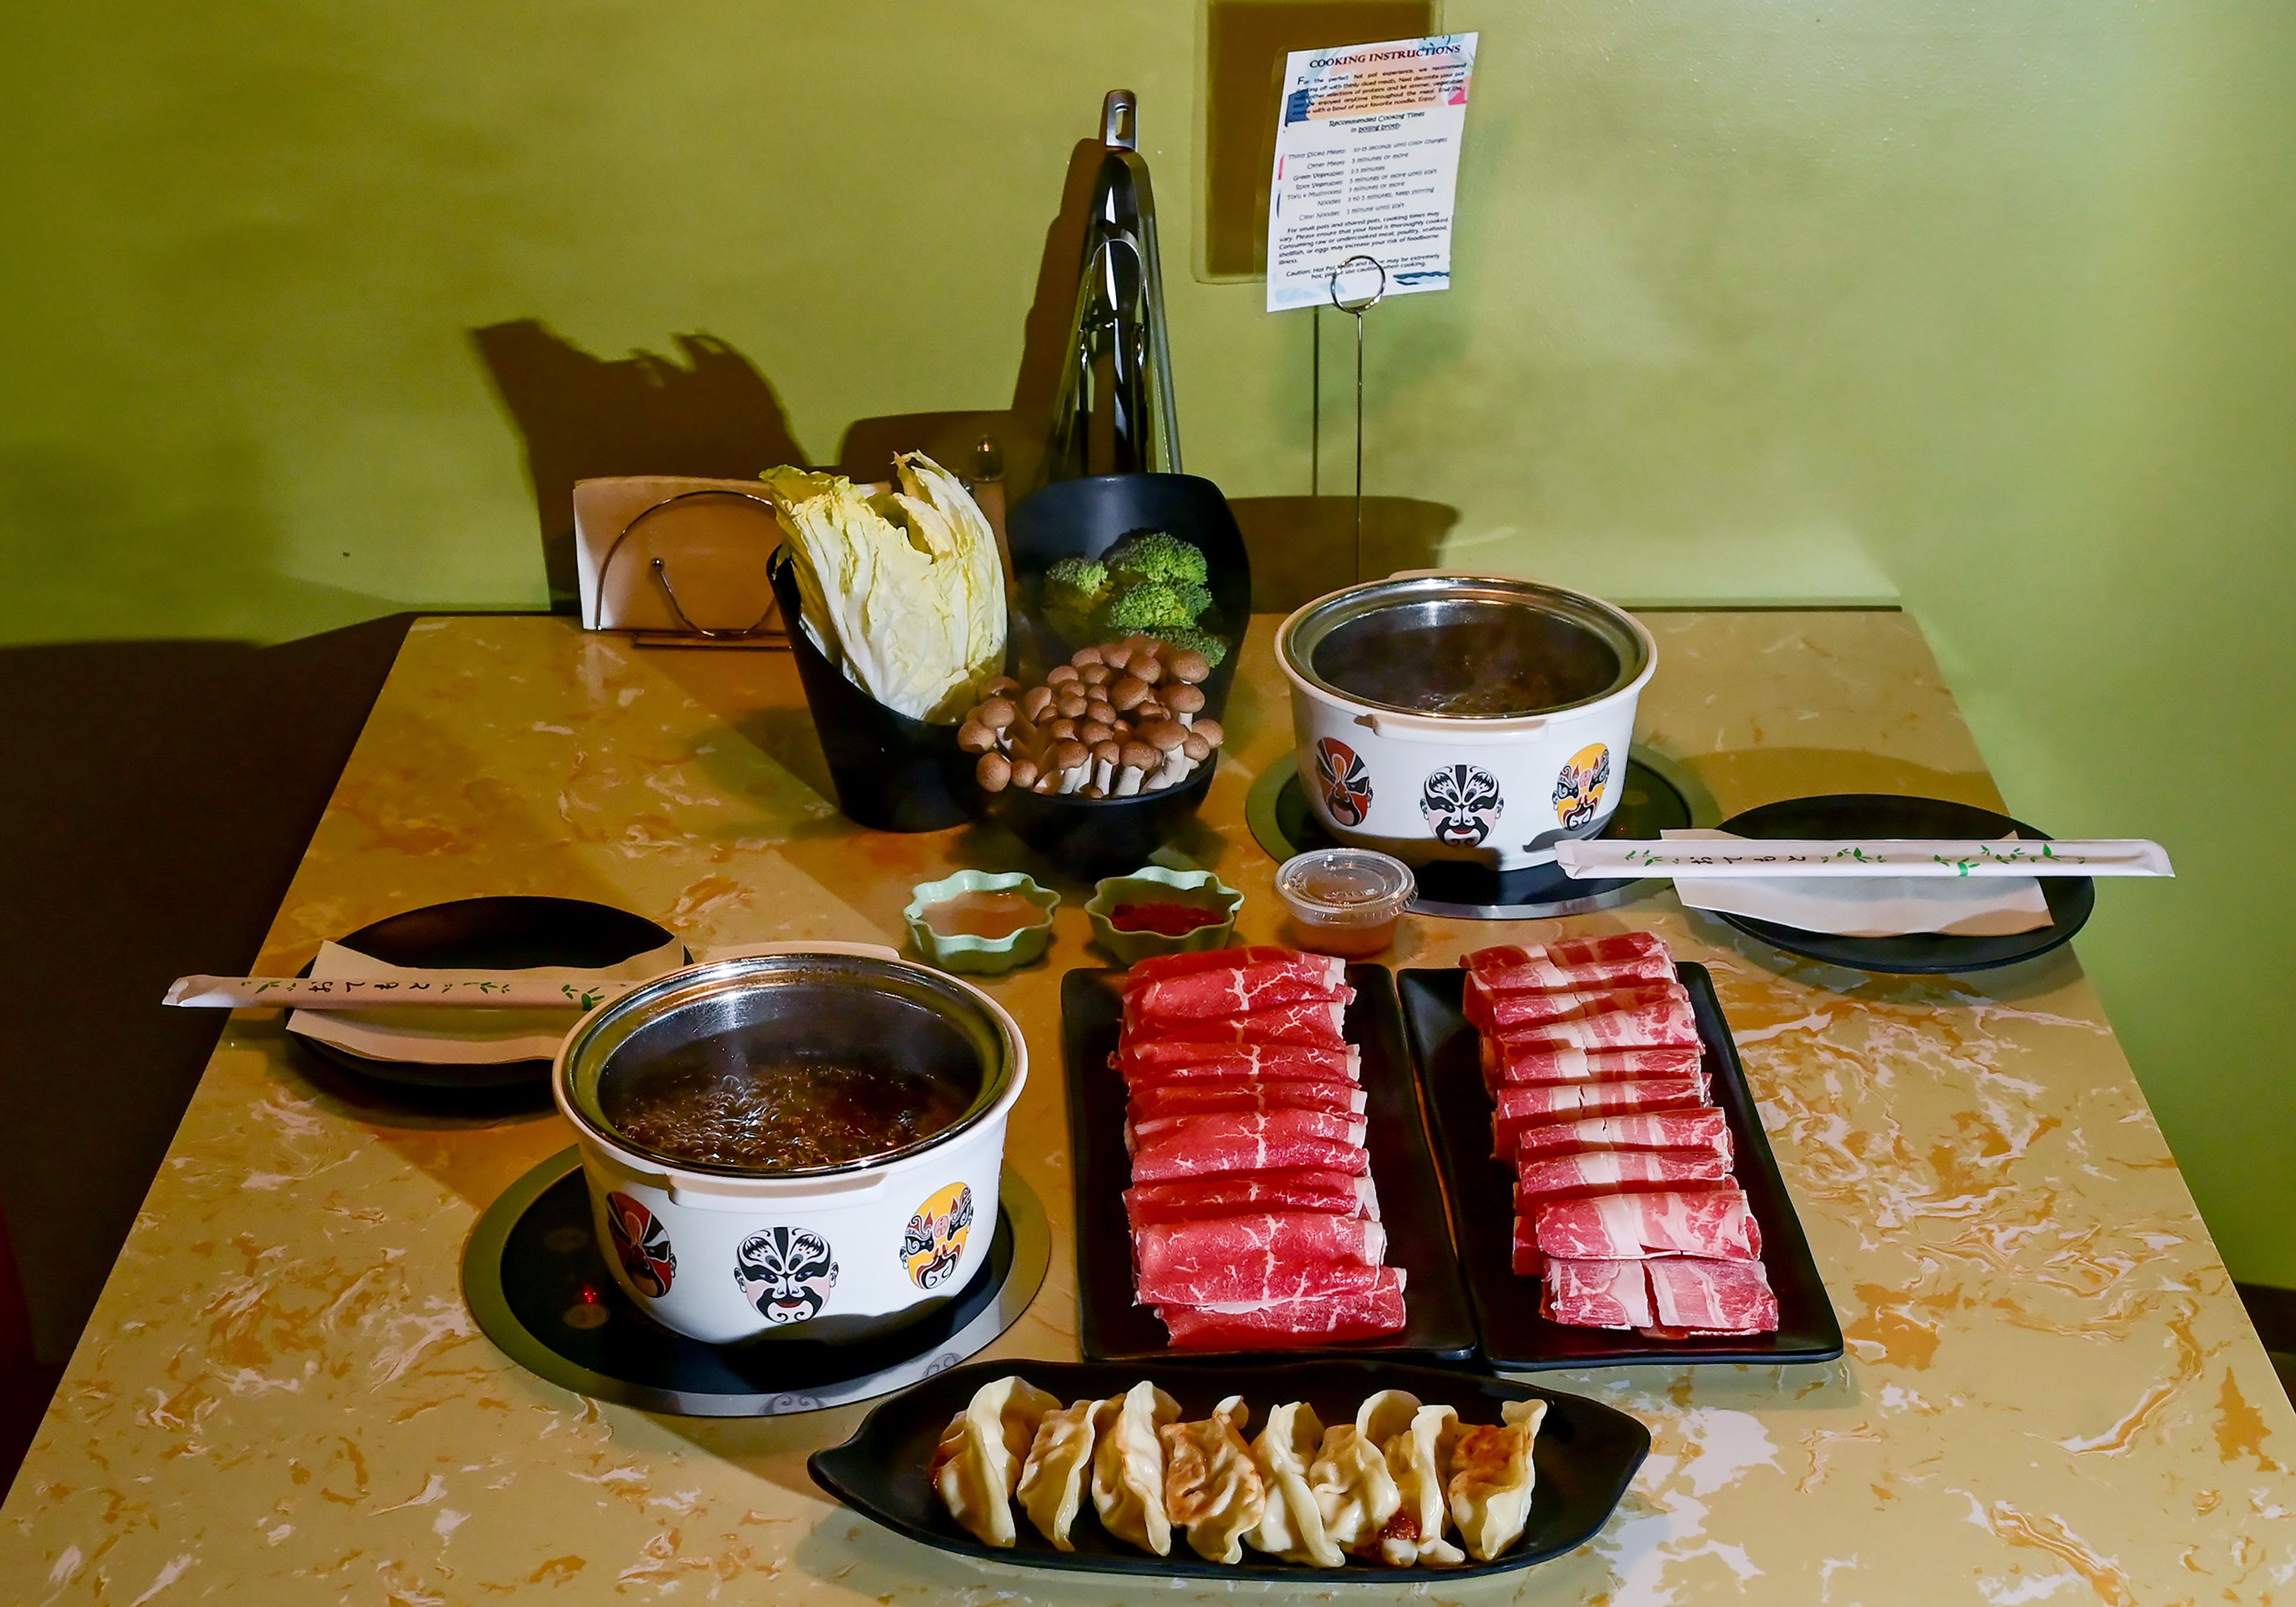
(1445, 715)
(839, 1253)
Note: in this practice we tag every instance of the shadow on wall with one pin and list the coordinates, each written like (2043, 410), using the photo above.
(1020, 427)
(715, 414)
(712, 411)
(1303, 547)
(712, 415)
(89, 549)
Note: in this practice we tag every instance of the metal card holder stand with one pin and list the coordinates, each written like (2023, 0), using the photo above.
(753, 635)
(1355, 308)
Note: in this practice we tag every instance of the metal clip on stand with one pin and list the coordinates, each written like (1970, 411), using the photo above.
(1355, 307)
(754, 632)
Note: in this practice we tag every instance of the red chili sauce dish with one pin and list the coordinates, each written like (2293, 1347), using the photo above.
(1172, 920)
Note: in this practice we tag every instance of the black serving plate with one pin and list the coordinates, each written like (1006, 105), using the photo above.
(506, 933)
(534, 1277)
(1438, 1323)
(1090, 838)
(1585, 1456)
(1516, 1337)
(1650, 804)
(1084, 518)
(1837, 815)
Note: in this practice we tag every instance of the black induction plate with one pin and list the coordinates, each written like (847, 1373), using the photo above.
(2071, 899)
(1437, 1325)
(511, 933)
(1516, 1337)
(1585, 1456)
(1649, 804)
(535, 1279)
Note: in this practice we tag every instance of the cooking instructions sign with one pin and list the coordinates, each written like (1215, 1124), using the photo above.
(1367, 164)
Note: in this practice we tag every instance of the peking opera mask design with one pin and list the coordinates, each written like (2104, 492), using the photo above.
(1347, 785)
(1579, 787)
(935, 1240)
(1462, 804)
(641, 1245)
(786, 1272)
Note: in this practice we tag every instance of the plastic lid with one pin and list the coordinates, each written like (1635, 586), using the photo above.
(1346, 886)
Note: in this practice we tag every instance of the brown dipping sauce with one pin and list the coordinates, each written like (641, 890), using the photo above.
(783, 1119)
(981, 915)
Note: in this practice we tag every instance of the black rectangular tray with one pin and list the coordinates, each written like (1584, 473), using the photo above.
(1514, 1337)
(1585, 1456)
(1437, 1325)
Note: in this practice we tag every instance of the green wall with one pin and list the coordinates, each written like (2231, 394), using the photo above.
(1985, 306)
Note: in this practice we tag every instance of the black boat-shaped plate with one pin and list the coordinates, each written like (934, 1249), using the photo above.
(505, 933)
(1438, 1323)
(2072, 899)
(1516, 1337)
(1585, 1455)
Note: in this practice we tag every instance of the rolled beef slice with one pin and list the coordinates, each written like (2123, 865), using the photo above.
(1153, 1061)
(1337, 1193)
(1658, 1014)
(1516, 1110)
(1234, 990)
(1609, 1171)
(1274, 1325)
(1567, 953)
(1272, 1256)
(1659, 1130)
(1712, 1297)
(1313, 1023)
(1597, 1294)
(1712, 1222)
(1226, 1141)
(1194, 1099)
(1506, 1064)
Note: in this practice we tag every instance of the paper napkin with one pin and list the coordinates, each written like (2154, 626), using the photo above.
(1870, 907)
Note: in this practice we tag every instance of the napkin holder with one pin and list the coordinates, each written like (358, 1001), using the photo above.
(678, 561)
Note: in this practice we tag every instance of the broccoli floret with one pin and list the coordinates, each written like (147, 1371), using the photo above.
(1212, 647)
(1075, 589)
(1076, 585)
(1145, 605)
(1155, 555)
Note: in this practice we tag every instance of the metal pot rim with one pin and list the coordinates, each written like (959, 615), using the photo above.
(598, 1035)
(1297, 639)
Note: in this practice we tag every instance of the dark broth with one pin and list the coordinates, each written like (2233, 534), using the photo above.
(783, 1118)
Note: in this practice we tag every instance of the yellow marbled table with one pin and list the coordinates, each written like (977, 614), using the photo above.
(2051, 1392)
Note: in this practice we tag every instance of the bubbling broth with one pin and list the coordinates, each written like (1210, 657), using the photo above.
(789, 1116)
(1467, 659)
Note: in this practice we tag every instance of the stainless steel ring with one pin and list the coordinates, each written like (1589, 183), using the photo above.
(661, 569)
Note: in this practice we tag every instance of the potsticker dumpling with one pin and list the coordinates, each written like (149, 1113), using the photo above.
(1421, 1459)
(1128, 1467)
(1384, 1416)
(1491, 1479)
(1212, 1488)
(1292, 1526)
(977, 1464)
(1053, 1478)
(1354, 1491)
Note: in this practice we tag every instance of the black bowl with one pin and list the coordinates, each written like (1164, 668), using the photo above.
(890, 772)
(1090, 838)
(1084, 518)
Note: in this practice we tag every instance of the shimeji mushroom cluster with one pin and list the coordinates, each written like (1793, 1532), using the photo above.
(1115, 721)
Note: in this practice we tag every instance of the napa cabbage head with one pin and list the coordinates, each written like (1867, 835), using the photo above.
(902, 588)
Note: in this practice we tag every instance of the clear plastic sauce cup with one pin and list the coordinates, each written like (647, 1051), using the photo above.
(1344, 901)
